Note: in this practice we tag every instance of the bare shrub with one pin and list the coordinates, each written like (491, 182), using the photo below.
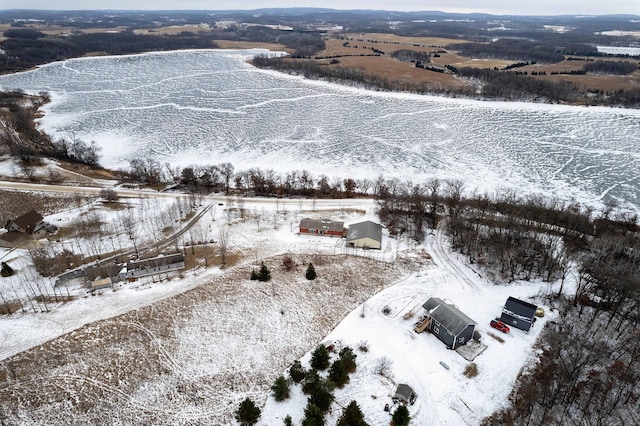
(109, 195)
(363, 346)
(471, 370)
(287, 263)
(383, 367)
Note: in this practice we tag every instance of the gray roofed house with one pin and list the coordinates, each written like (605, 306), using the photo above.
(452, 326)
(365, 234)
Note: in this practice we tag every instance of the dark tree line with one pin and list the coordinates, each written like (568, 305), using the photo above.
(258, 182)
(611, 67)
(26, 48)
(519, 50)
(407, 55)
(511, 86)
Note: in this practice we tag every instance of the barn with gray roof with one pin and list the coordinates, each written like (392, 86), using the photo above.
(326, 227)
(365, 234)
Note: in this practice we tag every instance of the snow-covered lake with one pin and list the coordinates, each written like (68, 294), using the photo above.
(208, 107)
(615, 50)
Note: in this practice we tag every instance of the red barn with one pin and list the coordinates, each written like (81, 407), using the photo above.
(330, 228)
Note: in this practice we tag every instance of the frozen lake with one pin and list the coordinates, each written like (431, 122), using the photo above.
(208, 107)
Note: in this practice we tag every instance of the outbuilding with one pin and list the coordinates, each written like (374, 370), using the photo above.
(325, 227)
(154, 266)
(365, 234)
(518, 313)
(452, 326)
(404, 394)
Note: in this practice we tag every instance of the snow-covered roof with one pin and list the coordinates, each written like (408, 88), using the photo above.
(403, 392)
(325, 224)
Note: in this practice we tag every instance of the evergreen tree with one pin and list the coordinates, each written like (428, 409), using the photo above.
(264, 274)
(311, 272)
(313, 416)
(311, 379)
(320, 358)
(348, 359)
(247, 414)
(280, 389)
(288, 421)
(321, 396)
(7, 270)
(352, 416)
(401, 416)
(254, 275)
(338, 373)
(297, 372)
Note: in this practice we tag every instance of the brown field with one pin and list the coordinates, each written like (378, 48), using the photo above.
(397, 70)
(361, 44)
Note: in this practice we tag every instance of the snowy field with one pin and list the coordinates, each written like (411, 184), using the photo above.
(222, 337)
(445, 396)
(211, 107)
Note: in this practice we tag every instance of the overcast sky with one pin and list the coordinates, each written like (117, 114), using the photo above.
(516, 7)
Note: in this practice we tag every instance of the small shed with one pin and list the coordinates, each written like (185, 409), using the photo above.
(452, 326)
(404, 394)
(518, 313)
(101, 283)
(102, 276)
(365, 234)
(325, 227)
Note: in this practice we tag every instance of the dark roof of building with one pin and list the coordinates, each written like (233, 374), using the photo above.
(403, 392)
(366, 229)
(448, 315)
(11, 236)
(324, 224)
(28, 219)
(104, 271)
(519, 309)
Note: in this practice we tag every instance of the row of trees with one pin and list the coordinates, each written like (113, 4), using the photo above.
(266, 183)
(611, 67)
(26, 48)
(521, 50)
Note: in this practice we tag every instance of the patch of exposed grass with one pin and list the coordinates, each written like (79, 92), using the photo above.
(471, 370)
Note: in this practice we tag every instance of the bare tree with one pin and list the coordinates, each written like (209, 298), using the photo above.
(383, 367)
(223, 242)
